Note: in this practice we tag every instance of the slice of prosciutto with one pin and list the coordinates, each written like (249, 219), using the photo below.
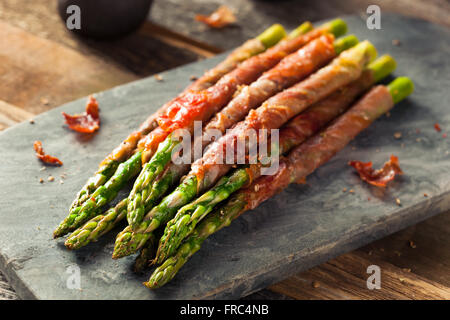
(220, 18)
(87, 122)
(45, 157)
(380, 177)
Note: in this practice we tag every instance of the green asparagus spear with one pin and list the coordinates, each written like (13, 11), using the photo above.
(129, 241)
(317, 116)
(101, 224)
(100, 197)
(97, 226)
(399, 89)
(214, 222)
(188, 216)
(112, 217)
(146, 254)
(100, 178)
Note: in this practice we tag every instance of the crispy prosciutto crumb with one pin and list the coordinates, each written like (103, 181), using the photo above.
(380, 177)
(220, 18)
(45, 157)
(87, 122)
(437, 127)
(397, 135)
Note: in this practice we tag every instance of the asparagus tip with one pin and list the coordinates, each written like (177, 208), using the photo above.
(58, 233)
(400, 88)
(337, 27)
(301, 29)
(272, 35)
(115, 256)
(369, 49)
(345, 43)
(382, 67)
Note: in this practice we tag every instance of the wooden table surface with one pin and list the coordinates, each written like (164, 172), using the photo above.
(42, 65)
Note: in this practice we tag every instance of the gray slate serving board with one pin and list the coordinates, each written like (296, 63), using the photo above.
(300, 228)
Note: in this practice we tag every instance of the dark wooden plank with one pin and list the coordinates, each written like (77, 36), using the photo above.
(138, 53)
(47, 73)
(328, 224)
(418, 257)
(6, 292)
(255, 16)
(267, 295)
(423, 249)
(345, 278)
(11, 115)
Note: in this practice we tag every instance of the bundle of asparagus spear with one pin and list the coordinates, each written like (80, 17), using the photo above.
(315, 84)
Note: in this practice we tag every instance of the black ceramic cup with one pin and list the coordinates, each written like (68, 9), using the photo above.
(106, 18)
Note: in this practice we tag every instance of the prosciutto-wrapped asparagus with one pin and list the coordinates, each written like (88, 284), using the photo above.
(108, 191)
(273, 114)
(302, 161)
(289, 71)
(294, 133)
(121, 153)
(200, 106)
(110, 177)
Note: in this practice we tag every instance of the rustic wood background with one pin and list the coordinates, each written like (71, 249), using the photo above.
(42, 65)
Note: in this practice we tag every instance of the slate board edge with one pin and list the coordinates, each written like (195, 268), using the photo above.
(412, 215)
